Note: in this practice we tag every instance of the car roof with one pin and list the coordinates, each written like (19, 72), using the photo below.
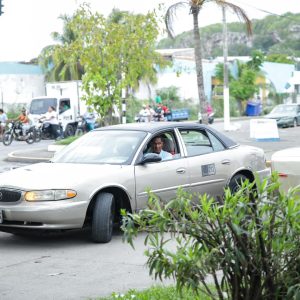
(153, 127)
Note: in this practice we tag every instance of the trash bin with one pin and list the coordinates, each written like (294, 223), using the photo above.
(253, 108)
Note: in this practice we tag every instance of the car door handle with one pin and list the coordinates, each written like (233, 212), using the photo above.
(180, 171)
(226, 162)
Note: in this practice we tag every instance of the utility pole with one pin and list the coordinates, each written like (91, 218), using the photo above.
(225, 74)
(1, 5)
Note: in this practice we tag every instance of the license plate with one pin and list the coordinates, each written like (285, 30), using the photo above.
(1, 217)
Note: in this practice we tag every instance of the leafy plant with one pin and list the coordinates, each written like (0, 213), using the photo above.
(157, 292)
(248, 243)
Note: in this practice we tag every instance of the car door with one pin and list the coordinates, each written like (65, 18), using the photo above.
(208, 162)
(163, 178)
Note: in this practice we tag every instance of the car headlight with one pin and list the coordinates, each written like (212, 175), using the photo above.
(49, 195)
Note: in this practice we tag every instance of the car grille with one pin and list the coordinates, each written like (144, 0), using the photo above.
(7, 195)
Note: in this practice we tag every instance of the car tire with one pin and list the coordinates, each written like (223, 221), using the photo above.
(7, 139)
(103, 218)
(236, 182)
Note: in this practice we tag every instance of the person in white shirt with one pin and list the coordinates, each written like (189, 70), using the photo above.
(3, 120)
(157, 147)
(144, 114)
(51, 117)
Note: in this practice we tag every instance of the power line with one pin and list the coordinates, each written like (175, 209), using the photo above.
(265, 11)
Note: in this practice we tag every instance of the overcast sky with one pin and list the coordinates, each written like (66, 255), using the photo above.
(26, 25)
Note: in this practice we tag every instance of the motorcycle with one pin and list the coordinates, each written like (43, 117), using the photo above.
(43, 131)
(81, 126)
(14, 132)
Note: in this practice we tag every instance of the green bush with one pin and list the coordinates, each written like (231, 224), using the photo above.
(248, 242)
(157, 293)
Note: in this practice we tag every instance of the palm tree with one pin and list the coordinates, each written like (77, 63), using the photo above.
(56, 68)
(195, 7)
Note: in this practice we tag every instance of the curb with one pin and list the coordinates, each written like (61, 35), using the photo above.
(13, 157)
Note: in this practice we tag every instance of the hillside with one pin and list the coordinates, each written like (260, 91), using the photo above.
(273, 34)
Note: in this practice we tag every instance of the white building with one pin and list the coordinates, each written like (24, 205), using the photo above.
(19, 82)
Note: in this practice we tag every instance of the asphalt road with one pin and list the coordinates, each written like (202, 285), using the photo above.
(17, 146)
(69, 266)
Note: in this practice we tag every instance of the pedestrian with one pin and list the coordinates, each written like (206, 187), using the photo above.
(3, 120)
(158, 99)
(144, 114)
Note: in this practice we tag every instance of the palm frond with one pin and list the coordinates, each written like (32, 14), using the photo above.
(240, 12)
(171, 14)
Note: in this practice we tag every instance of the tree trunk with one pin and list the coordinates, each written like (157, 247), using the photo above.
(198, 61)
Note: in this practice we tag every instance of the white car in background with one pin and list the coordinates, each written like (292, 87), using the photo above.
(287, 163)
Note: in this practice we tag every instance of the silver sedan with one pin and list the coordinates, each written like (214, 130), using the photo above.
(111, 168)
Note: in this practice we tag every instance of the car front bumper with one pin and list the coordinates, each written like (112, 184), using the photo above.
(263, 174)
(52, 215)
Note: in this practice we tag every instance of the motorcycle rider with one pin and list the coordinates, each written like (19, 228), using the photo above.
(90, 118)
(25, 122)
(51, 118)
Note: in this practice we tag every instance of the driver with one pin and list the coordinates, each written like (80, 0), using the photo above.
(157, 145)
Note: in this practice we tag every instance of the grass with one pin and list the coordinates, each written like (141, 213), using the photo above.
(67, 140)
(157, 293)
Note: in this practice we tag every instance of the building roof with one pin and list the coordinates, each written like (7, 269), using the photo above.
(12, 68)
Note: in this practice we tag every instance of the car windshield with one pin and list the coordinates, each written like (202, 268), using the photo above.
(40, 106)
(102, 147)
(284, 109)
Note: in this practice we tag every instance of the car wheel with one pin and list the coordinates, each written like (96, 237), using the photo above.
(236, 182)
(7, 139)
(70, 131)
(103, 218)
(30, 138)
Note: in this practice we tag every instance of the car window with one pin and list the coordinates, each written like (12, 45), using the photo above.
(103, 147)
(169, 144)
(215, 142)
(196, 142)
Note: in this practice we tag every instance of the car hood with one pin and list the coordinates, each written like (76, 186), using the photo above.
(279, 116)
(58, 175)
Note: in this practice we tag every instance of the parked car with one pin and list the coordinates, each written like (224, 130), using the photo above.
(287, 163)
(286, 115)
(90, 180)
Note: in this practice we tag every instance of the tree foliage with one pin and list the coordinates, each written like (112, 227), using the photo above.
(243, 86)
(279, 58)
(56, 66)
(116, 53)
(194, 8)
(248, 243)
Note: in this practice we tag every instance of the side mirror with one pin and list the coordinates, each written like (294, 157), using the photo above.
(150, 157)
